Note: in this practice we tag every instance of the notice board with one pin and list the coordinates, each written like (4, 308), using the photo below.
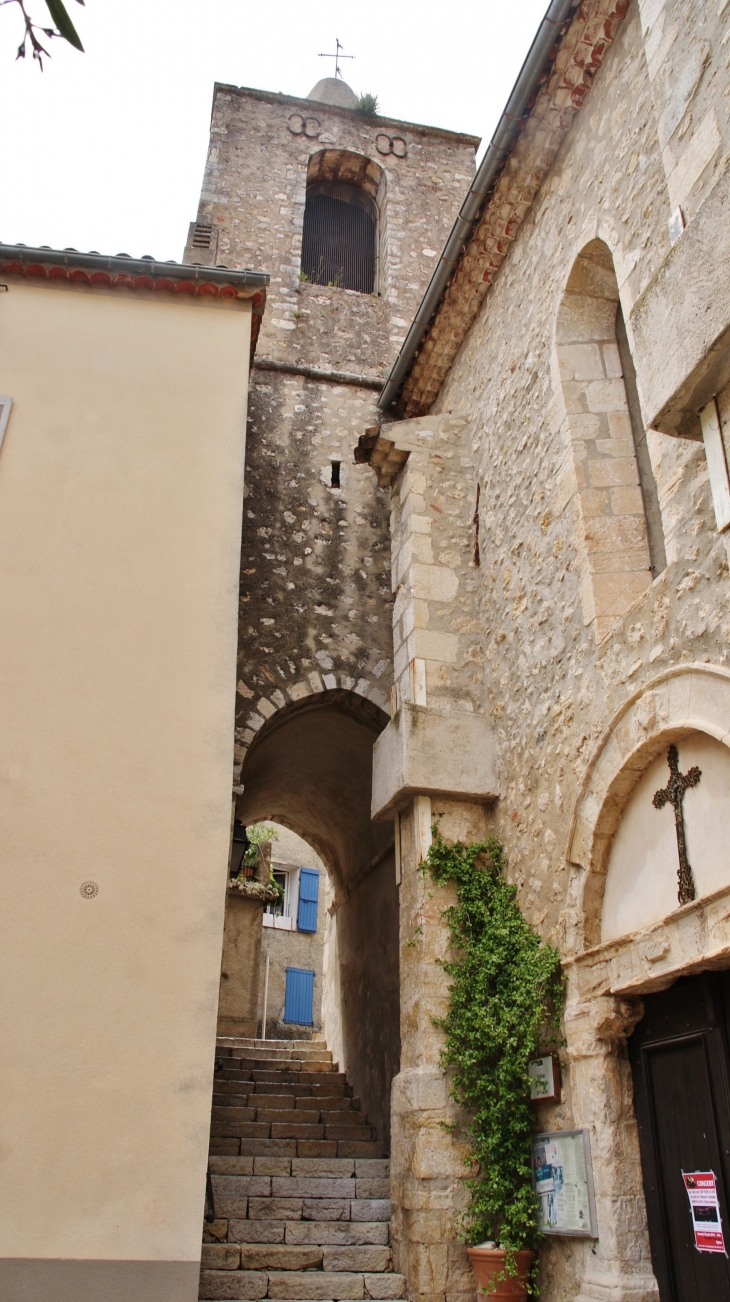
(563, 1178)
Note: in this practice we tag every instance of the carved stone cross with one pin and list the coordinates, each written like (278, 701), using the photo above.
(673, 794)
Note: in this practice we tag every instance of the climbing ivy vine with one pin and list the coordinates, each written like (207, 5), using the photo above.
(506, 997)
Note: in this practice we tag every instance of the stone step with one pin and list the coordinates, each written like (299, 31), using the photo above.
(298, 1286)
(274, 1164)
(245, 1041)
(232, 1145)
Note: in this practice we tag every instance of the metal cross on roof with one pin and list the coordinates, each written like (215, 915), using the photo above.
(673, 794)
(337, 56)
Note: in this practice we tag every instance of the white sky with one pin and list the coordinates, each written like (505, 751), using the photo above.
(105, 150)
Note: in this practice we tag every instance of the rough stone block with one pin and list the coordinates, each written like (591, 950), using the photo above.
(326, 1209)
(315, 1285)
(215, 1231)
(275, 1209)
(239, 1129)
(317, 1148)
(287, 1116)
(372, 1168)
(220, 1256)
(342, 1167)
(385, 1286)
(238, 1186)
(372, 1188)
(280, 1257)
(363, 1258)
(271, 1165)
(231, 1166)
(296, 1130)
(243, 1286)
(370, 1209)
(358, 1148)
(230, 1113)
(224, 1146)
(269, 1147)
(257, 1231)
(312, 1187)
(341, 1233)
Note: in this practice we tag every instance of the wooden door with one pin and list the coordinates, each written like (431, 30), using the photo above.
(681, 1070)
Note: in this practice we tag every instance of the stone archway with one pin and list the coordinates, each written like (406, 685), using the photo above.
(310, 768)
(607, 980)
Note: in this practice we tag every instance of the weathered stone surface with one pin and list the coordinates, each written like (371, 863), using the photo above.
(370, 1209)
(220, 1256)
(250, 1231)
(385, 1286)
(326, 1209)
(280, 1257)
(243, 1286)
(356, 1258)
(340, 1167)
(275, 1209)
(312, 1187)
(373, 1188)
(343, 1233)
(315, 1285)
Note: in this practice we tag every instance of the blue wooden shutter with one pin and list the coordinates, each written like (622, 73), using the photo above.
(299, 998)
(308, 897)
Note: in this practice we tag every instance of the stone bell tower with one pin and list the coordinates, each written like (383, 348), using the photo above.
(291, 184)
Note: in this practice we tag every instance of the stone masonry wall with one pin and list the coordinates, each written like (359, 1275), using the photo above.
(315, 584)
(552, 679)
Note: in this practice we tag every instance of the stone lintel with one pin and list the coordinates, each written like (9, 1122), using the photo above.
(424, 751)
(681, 322)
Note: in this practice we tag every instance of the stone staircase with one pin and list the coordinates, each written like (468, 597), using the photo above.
(300, 1185)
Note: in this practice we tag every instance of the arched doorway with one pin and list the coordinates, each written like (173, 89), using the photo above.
(310, 769)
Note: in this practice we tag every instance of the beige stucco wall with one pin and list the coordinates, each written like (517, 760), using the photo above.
(121, 481)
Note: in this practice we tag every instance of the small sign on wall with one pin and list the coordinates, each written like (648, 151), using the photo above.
(544, 1074)
(563, 1180)
(704, 1207)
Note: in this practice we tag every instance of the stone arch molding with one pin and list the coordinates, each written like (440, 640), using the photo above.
(312, 682)
(685, 699)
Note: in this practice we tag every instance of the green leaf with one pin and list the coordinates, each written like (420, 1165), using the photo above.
(57, 10)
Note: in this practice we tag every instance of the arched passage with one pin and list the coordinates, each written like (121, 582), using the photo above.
(310, 768)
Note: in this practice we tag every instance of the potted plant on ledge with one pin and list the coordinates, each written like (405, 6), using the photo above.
(506, 991)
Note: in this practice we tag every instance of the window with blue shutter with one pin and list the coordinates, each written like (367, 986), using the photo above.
(308, 898)
(299, 998)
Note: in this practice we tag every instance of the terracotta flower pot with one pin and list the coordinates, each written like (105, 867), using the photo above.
(488, 1262)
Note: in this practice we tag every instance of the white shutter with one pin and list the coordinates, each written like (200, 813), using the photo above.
(716, 463)
(5, 405)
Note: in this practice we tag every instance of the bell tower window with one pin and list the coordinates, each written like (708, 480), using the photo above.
(339, 238)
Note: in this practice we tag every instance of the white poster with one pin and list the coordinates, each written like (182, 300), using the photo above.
(561, 1167)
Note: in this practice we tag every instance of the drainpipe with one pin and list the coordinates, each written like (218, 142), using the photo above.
(497, 152)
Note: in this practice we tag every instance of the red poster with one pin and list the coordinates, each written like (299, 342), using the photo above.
(701, 1189)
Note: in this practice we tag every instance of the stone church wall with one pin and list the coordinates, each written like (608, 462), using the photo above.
(562, 625)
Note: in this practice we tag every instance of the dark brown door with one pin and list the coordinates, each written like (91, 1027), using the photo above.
(681, 1070)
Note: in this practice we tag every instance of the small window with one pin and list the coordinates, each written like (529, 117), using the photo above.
(281, 908)
(338, 245)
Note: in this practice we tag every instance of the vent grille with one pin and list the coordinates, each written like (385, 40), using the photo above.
(338, 245)
(202, 236)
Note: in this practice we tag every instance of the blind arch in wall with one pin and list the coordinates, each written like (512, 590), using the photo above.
(339, 238)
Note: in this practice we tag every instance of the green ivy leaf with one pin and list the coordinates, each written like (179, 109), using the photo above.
(58, 13)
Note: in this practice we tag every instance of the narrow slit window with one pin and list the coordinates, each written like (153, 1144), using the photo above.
(335, 481)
